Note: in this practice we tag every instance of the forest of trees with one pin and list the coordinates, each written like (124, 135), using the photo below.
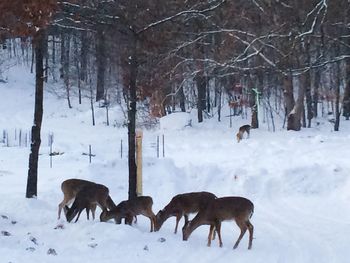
(165, 56)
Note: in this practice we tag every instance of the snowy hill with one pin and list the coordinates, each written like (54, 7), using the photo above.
(299, 183)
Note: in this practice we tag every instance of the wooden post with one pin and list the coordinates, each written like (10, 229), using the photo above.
(157, 146)
(163, 146)
(121, 149)
(90, 153)
(20, 138)
(139, 136)
(51, 155)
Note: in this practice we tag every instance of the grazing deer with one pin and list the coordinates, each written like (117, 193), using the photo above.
(129, 209)
(241, 131)
(226, 208)
(183, 205)
(71, 187)
(87, 198)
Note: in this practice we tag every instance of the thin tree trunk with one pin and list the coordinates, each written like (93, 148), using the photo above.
(32, 180)
(101, 65)
(182, 99)
(337, 96)
(201, 87)
(83, 62)
(315, 96)
(132, 120)
(294, 117)
(218, 98)
(66, 65)
(92, 104)
(208, 94)
(253, 104)
(346, 99)
(309, 109)
(288, 93)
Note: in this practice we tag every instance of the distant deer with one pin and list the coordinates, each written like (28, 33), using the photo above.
(129, 209)
(241, 131)
(226, 208)
(183, 205)
(71, 187)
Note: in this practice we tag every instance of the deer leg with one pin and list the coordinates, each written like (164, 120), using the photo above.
(210, 234)
(214, 234)
(251, 230)
(186, 218)
(243, 228)
(87, 213)
(152, 218)
(66, 201)
(218, 230)
(78, 216)
(93, 210)
(178, 217)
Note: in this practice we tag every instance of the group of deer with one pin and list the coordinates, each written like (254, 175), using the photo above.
(210, 209)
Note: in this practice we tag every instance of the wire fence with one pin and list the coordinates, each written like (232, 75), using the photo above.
(17, 137)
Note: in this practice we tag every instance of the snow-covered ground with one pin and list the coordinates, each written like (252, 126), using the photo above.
(299, 183)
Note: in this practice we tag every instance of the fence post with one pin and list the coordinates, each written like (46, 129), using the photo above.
(89, 153)
(157, 146)
(50, 144)
(121, 149)
(139, 136)
(20, 138)
(163, 146)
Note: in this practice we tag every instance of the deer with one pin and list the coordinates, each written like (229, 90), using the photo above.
(221, 209)
(88, 198)
(129, 209)
(183, 205)
(241, 131)
(70, 189)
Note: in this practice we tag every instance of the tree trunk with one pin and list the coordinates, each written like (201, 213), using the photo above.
(288, 93)
(253, 99)
(101, 65)
(315, 96)
(66, 67)
(182, 99)
(32, 179)
(337, 96)
(309, 108)
(208, 94)
(346, 99)
(132, 120)
(294, 117)
(201, 87)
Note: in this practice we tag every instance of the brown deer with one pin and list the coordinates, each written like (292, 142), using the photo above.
(183, 205)
(71, 187)
(241, 131)
(87, 198)
(226, 208)
(129, 209)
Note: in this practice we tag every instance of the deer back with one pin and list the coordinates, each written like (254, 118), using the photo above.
(184, 204)
(221, 209)
(71, 187)
(125, 209)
